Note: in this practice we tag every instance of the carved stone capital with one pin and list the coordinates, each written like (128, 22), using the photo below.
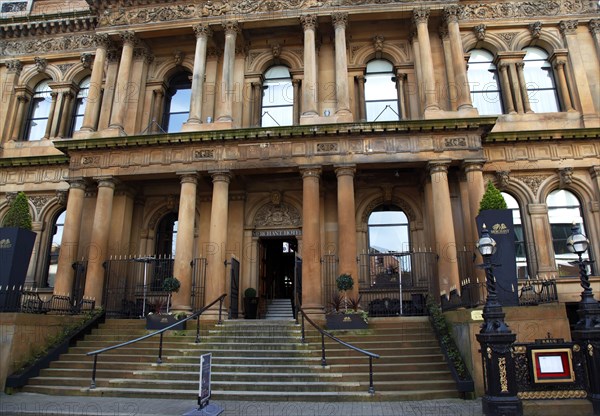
(438, 167)
(566, 176)
(189, 177)
(479, 31)
(77, 184)
(594, 27)
(129, 38)
(106, 182)
(40, 64)
(231, 27)
(452, 14)
(520, 65)
(14, 66)
(595, 172)
(559, 63)
(568, 27)
(61, 197)
(22, 98)
(420, 15)
(102, 41)
(310, 172)
(340, 19)
(202, 31)
(309, 21)
(345, 170)
(503, 66)
(535, 28)
(221, 176)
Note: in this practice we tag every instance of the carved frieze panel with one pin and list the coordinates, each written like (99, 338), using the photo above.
(327, 147)
(203, 154)
(40, 201)
(45, 45)
(509, 10)
(280, 215)
(532, 181)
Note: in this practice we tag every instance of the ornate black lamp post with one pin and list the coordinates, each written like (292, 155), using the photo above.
(496, 341)
(587, 329)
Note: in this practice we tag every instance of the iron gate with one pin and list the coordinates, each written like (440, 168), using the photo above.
(234, 292)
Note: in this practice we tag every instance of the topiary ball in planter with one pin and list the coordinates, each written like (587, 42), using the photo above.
(344, 282)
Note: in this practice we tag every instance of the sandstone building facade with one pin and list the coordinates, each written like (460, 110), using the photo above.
(269, 131)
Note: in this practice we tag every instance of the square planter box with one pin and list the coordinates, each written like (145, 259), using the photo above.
(345, 321)
(159, 321)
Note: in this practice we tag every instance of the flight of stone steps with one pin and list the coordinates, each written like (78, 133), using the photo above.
(256, 360)
(279, 309)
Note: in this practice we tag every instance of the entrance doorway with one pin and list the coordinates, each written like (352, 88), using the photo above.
(277, 267)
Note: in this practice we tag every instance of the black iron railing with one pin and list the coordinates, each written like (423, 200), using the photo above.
(535, 292)
(195, 315)
(30, 300)
(371, 355)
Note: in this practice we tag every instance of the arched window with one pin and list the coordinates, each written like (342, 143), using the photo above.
(54, 251)
(483, 81)
(277, 98)
(80, 102)
(541, 88)
(564, 208)
(166, 234)
(520, 242)
(39, 111)
(177, 102)
(381, 97)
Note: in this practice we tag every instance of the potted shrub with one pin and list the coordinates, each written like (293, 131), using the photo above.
(345, 313)
(16, 246)
(250, 303)
(159, 320)
(498, 219)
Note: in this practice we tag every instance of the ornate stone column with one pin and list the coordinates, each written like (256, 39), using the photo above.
(98, 252)
(346, 209)
(70, 239)
(594, 27)
(444, 227)
(516, 87)
(309, 84)
(400, 81)
(119, 109)
(157, 108)
(449, 66)
(94, 98)
(228, 87)
(418, 69)
(296, 107)
(255, 104)
(362, 109)
(312, 300)
(340, 21)
(11, 80)
(22, 100)
(48, 132)
(568, 29)
(559, 67)
(523, 86)
(476, 188)
(184, 245)
(203, 32)
(420, 18)
(65, 116)
(219, 212)
(463, 93)
(507, 97)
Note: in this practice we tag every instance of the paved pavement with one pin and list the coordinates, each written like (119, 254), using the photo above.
(42, 405)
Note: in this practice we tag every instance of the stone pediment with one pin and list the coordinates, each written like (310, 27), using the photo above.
(277, 216)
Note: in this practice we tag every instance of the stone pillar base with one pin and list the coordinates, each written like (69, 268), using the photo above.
(110, 132)
(83, 134)
(316, 119)
(591, 120)
(217, 125)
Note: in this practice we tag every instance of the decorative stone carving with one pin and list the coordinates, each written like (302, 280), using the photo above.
(443, 32)
(178, 57)
(566, 176)
(61, 197)
(45, 45)
(420, 15)
(14, 66)
(455, 142)
(40, 201)
(503, 178)
(520, 9)
(202, 30)
(507, 36)
(129, 37)
(378, 43)
(535, 28)
(277, 216)
(216, 8)
(276, 198)
(40, 64)
(276, 50)
(568, 27)
(64, 67)
(204, 154)
(86, 60)
(594, 27)
(340, 19)
(102, 41)
(231, 27)
(533, 182)
(479, 31)
(309, 21)
(452, 13)
(10, 197)
(327, 147)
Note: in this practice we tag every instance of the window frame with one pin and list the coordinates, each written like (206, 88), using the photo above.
(181, 81)
(484, 91)
(534, 103)
(79, 105)
(285, 84)
(367, 89)
(39, 95)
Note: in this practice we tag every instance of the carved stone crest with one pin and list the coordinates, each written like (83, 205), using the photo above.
(503, 178)
(566, 176)
(535, 28)
(277, 216)
(40, 64)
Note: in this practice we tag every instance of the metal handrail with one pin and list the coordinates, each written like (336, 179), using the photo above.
(195, 315)
(324, 334)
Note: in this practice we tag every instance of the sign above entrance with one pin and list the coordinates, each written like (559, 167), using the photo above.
(276, 233)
